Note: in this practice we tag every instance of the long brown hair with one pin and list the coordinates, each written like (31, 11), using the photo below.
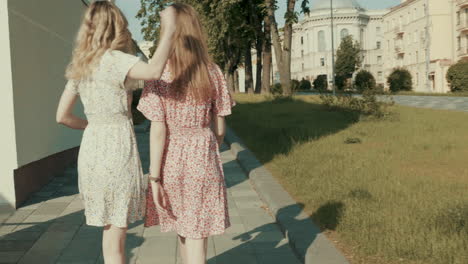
(103, 27)
(190, 61)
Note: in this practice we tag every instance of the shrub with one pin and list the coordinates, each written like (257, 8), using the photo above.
(294, 85)
(321, 83)
(368, 105)
(457, 76)
(305, 85)
(400, 80)
(276, 88)
(365, 81)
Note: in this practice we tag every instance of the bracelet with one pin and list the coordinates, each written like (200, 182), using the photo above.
(154, 179)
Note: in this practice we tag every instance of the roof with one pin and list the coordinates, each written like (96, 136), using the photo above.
(325, 4)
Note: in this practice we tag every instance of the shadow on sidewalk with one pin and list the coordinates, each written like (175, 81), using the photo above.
(50, 228)
(301, 235)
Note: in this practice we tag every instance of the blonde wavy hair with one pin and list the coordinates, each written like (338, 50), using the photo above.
(103, 27)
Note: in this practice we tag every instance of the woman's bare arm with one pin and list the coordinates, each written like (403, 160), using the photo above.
(154, 70)
(65, 114)
(157, 144)
(219, 128)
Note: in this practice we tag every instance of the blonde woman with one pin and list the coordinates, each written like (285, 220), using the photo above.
(111, 181)
(187, 191)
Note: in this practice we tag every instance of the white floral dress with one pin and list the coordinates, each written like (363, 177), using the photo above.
(110, 176)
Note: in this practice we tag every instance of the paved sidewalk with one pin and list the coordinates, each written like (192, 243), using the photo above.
(50, 228)
(434, 102)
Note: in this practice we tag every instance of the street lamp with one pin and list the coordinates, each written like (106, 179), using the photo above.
(333, 47)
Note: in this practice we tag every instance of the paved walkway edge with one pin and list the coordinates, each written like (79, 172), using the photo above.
(305, 238)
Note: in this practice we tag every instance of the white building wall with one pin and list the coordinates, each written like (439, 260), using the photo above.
(42, 41)
(37, 40)
(7, 135)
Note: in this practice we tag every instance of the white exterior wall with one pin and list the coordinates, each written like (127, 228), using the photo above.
(7, 136)
(406, 42)
(37, 44)
(361, 24)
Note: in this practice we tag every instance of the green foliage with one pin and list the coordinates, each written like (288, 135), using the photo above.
(400, 80)
(305, 85)
(365, 81)
(368, 105)
(294, 85)
(347, 60)
(457, 76)
(321, 83)
(276, 89)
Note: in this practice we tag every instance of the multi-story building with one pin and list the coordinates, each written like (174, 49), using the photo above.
(460, 18)
(419, 37)
(312, 38)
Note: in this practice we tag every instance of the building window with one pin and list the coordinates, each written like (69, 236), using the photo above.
(388, 44)
(379, 45)
(416, 36)
(466, 16)
(378, 30)
(302, 40)
(321, 41)
(415, 14)
(417, 78)
(322, 62)
(302, 53)
(458, 18)
(379, 75)
(344, 33)
(379, 59)
(458, 43)
(302, 66)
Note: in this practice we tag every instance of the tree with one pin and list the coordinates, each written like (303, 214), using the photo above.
(400, 80)
(457, 76)
(283, 48)
(226, 29)
(365, 81)
(267, 55)
(347, 60)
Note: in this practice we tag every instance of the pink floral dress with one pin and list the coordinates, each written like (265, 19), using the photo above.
(192, 172)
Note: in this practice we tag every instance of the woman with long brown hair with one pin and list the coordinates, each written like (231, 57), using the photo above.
(110, 176)
(187, 107)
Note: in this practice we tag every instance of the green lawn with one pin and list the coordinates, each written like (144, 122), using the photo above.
(398, 196)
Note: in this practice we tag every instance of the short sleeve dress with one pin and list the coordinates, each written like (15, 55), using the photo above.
(192, 172)
(110, 176)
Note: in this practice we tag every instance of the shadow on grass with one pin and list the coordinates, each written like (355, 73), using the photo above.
(283, 123)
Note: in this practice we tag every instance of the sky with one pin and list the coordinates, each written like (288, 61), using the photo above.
(131, 7)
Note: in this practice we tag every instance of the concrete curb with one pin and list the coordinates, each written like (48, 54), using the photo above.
(304, 236)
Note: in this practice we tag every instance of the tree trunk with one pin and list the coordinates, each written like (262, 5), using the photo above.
(267, 56)
(258, 80)
(236, 81)
(282, 50)
(248, 70)
(230, 81)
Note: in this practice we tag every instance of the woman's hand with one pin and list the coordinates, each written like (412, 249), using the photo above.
(159, 196)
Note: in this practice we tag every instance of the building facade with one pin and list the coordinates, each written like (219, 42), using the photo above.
(419, 36)
(312, 38)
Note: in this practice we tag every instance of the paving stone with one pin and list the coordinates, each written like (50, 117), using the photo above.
(51, 208)
(22, 235)
(10, 256)
(48, 248)
(155, 249)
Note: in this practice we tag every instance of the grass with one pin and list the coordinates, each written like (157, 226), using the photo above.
(389, 191)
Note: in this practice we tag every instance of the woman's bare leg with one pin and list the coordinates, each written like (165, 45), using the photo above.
(182, 249)
(113, 244)
(196, 250)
